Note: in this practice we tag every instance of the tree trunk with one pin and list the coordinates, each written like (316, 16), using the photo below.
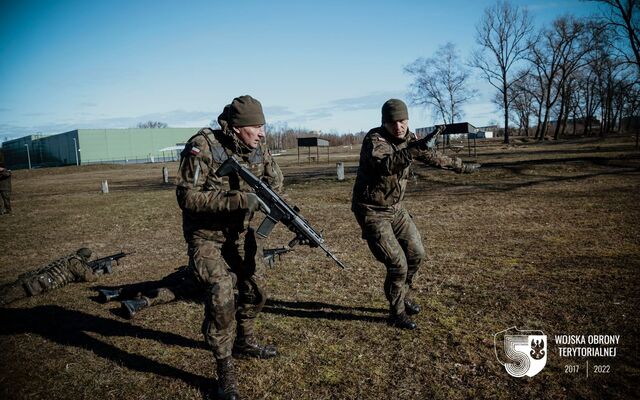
(539, 126)
(505, 103)
(556, 133)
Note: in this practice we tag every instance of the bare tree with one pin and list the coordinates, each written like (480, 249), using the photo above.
(502, 35)
(440, 82)
(151, 124)
(587, 98)
(624, 18)
(524, 96)
(556, 53)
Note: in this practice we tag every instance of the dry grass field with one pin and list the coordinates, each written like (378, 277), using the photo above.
(546, 236)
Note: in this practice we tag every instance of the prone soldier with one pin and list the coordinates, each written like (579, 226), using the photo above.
(385, 158)
(72, 268)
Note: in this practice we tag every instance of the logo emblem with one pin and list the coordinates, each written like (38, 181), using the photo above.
(521, 352)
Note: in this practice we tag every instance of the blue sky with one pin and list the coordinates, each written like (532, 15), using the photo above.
(322, 65)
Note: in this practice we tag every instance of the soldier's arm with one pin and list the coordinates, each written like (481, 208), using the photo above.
(272, 173)
(199, 188)
(439, 160)
(81, 271)
(386, 161)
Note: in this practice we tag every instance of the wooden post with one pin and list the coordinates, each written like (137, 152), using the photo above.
(165, 175)
(340, 170)
(104, 187)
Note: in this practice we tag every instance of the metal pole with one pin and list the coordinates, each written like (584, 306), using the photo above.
(75, 150)
(28, 155)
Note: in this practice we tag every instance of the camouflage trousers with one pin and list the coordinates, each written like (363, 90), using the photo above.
(234, 286)
(5, 204)
(395, 241)
(178, 285)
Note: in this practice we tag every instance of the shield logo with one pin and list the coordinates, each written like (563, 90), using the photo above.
(522, 352)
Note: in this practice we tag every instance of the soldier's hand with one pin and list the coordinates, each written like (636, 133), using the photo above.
(422, 144)
(255, 203)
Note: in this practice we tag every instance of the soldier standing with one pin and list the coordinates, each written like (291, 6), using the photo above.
(58, 273)
(222, 245)
(5, 190)
(386, 155)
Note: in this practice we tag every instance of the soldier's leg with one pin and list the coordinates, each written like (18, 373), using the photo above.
(154, 297)
(378, 233)
(409, 238)
(411, 243)
(169, 288)
(219, 326)
(135, 297)
(250, 271)
(6, 200)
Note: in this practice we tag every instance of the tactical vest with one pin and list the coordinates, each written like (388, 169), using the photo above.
(52, 276)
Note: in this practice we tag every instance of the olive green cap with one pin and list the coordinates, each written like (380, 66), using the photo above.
(245, 111)
(394, 110)
(84, 253)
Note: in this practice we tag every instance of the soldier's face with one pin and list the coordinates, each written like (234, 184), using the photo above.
(397, 128)
(250, 135)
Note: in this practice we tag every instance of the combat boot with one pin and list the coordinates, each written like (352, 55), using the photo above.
(248, 347)
(227, 386)
(411, 307)
(402, 321)
(131, 307)
(106, 295)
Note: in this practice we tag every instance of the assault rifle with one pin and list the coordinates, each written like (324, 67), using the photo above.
(270, 255)
(104, 265)
(280, 211)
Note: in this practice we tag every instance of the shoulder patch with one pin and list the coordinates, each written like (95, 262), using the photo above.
(194, 150)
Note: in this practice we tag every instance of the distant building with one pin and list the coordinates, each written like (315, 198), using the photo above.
(310, 142)
(94, 146)
(457, 131)
(487, 132)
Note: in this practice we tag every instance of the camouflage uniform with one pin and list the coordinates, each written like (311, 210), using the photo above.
(178, 285)
(56, 274)
(386, 225)
(219, 233)
(5, 191)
